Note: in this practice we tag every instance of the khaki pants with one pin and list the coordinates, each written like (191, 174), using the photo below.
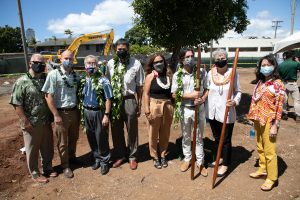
(67, 135)
(160, 120)
(39, 140)
(266, 148)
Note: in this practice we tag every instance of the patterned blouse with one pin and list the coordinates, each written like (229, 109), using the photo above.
(267, 102)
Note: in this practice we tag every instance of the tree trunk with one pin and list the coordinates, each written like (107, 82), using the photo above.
(174, 58)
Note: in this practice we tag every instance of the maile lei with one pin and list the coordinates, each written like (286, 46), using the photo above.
(117, 81)
(179, 92)
(99, 93)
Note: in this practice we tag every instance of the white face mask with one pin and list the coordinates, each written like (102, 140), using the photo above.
(188, 61)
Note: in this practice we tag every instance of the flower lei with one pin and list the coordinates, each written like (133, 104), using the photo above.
(179, 93)
(215, 77)
(117, 82)
(65, 79)
(99, 92)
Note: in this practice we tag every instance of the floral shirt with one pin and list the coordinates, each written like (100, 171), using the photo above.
(28, 94)
(267, 102)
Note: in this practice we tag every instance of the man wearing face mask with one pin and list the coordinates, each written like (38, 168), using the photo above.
(127, 78)
(95, 95)
(183, 90)
(60, 88)
(35, 119)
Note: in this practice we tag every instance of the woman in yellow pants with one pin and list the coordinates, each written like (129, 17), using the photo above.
(265, 111)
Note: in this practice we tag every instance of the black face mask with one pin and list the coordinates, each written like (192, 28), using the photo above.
(122, 53)
(221, 63)
(38, 67)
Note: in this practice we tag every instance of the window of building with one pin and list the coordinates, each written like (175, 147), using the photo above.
(87, 47)
(213, 49)
(243, 49)
(266, 48)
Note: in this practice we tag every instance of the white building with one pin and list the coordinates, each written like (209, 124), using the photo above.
(248, 47)
(30, 34)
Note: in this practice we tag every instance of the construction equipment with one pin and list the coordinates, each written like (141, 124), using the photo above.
(74, 46)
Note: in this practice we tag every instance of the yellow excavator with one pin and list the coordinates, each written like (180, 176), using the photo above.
(74, 46)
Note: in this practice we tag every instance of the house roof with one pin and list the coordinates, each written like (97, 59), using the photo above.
(65, 41)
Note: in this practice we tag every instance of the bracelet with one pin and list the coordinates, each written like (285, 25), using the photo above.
(107, 114)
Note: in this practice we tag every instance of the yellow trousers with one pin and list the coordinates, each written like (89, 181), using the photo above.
(266, 148)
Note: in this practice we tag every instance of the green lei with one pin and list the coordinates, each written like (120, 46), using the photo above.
(117, 81)
(95, 86)
(179, 93)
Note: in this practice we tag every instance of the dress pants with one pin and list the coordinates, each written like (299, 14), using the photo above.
(67, 135)
(39, 140)
(129, 117)
(97, 136)
(216, 128)
(266, 148)
(160, 120)
(187, 123)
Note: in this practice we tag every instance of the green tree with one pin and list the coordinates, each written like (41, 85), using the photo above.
(32, 43)
(10, 39)
(138, 34)
(136, 49)
(69, 32)
(55, 39)
(177, 23)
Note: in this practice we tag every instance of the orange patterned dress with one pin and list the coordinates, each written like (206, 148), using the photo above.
(267, 101)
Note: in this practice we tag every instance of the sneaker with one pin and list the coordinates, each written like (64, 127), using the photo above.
(185, 166)
(164, 162)
(156, 163)
(203, 170)
(212, 165)
(222, 171)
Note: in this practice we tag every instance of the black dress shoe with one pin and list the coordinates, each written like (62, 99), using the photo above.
(96, 165)
(104, 169)
(157, 163)
(164, 162)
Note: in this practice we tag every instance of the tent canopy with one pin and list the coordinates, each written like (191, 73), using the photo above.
(287, 43)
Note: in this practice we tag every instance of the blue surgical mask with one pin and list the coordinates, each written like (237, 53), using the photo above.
(90, 69)
(266, 70)
(67, 64)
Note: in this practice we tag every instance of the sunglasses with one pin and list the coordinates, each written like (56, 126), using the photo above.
(38, 62)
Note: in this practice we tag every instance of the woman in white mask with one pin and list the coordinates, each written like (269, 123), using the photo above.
(265, 111)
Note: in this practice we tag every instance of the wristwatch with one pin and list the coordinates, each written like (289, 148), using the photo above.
(107, 114)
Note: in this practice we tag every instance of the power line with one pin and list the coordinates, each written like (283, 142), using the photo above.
(276, 25)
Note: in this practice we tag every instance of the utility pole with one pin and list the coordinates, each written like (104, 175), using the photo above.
(293, 16)
(23, 34)
(275, 26)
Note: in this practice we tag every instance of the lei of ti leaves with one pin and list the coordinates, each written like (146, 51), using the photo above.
(179, 93)
(99, 93)
(117, 85)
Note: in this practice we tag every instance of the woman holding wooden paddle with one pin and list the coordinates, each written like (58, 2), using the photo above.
(218, 84)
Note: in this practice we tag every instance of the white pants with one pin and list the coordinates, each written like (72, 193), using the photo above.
(292, 88)
(187, 123)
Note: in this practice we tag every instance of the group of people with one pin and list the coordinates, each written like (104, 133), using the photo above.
(113, 94)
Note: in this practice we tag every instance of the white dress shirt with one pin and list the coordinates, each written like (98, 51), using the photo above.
(133, 77)
(217, 98)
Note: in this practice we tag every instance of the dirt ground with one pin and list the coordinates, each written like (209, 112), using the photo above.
(148, 182)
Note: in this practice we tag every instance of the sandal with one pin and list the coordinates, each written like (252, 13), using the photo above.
(164, 162)
(156, 163)
(268, 185)
(41, 179)
(258, 174)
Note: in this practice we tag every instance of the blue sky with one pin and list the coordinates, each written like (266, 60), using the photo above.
(51, 18)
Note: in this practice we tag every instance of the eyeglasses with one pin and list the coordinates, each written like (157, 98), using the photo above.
(159, 61)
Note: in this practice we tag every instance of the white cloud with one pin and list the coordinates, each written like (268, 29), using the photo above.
(106, 15)
(260, 26)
